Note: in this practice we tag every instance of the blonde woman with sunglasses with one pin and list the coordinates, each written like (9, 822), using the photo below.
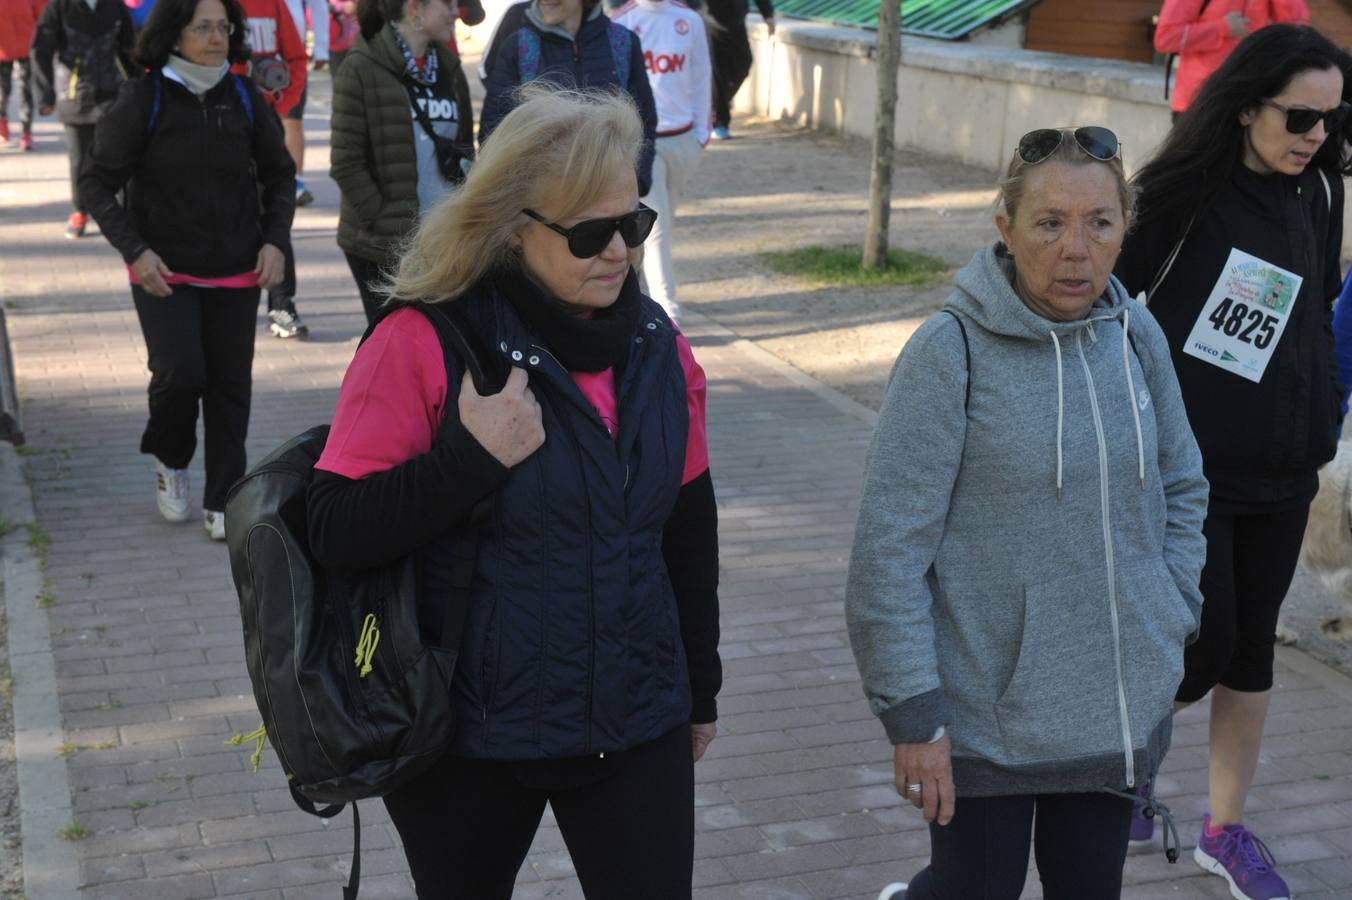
(1238, 251)
(1024, 572)
(589, 667)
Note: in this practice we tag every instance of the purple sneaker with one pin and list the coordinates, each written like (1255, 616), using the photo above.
(1142, 829)
(1242, 859)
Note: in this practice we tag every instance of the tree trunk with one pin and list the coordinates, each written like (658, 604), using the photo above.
(880, 181)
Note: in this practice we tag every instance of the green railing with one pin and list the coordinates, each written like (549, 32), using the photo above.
(944, 19)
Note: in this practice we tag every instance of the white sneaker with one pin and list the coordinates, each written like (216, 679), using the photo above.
(171, 492)
(214, 523)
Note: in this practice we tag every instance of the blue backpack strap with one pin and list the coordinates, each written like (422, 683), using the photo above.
(620, 38)
(157, 95)
(527, 54)
(156, 90)
(244, 98)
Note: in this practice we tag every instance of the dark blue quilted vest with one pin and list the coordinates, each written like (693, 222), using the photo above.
(572, 641)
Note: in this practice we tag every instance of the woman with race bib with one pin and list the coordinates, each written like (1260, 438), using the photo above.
(1237, 248)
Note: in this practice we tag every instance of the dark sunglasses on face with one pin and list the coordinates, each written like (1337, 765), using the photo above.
(1095, 140)
(1299, 121)
(590, 236)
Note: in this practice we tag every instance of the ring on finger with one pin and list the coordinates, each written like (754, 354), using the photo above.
(913, 788)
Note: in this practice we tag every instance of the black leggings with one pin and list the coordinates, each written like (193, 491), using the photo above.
(730, 52)
(367, 274)
(201, 347)
(1080, 841)
(25, 89)
(1250, 561)
(79, 141)
(627, 818)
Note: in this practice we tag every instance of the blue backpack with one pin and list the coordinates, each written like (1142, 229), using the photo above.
(157, 96)
(528, 52)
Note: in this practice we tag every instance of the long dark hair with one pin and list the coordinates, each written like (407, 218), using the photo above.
(167, 21)
(1206, 144)
(373, 14)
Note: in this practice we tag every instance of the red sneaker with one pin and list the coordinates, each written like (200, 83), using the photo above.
(26, 141)
(75, 225)
(4, 130)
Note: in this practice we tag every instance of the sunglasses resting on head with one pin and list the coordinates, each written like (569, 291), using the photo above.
(1095, 140)
(590, 236)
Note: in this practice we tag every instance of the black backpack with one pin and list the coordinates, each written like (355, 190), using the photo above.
(354, 701)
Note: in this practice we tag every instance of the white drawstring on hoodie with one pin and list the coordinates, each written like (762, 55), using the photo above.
(1131, 401)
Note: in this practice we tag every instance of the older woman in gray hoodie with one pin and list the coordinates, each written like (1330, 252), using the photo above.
(1025, 569)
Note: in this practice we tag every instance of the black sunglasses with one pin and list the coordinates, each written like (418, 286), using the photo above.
(1299, 121)
(590, 236)
(1095, 140)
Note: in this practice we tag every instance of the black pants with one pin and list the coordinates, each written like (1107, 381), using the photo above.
(367, 274)
(79, 141)
(25, 89)
(730, 52)
(1080, 841)
(201, 346)
(1250, 561)
(628, 820)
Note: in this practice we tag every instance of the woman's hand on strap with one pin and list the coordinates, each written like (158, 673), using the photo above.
(150, 272)
(931, 767)
(271, 266)
(508, 423)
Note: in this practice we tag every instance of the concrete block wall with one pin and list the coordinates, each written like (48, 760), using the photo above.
(968, 102)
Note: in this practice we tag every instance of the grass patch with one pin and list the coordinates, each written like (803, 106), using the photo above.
(46, 599)
(842, 266)
(25, 449)
(75, 832)
(140, 804)
(39, 543)
(68, 749)
(6, 526)
(111, 704)
(106, 745)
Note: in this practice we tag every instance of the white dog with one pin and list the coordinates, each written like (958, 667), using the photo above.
(1327, 551)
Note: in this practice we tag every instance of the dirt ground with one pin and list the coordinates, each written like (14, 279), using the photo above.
(775, 187)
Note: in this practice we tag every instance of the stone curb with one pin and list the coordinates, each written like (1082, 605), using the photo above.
(50, 867)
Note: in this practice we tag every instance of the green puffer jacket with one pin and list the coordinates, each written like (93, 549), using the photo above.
(373, 157)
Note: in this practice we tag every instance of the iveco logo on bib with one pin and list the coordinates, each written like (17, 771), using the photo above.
(437, 108)
(662, 63)
(1209, 351)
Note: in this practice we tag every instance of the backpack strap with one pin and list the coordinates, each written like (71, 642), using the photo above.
(1169, 60)
(967, 354)
(620, 46)
(527, 54)
(244, 97)
(157, 97)
(1328, 190)
(1163, 273)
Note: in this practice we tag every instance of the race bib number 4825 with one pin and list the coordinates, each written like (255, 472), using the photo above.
(1244, 316)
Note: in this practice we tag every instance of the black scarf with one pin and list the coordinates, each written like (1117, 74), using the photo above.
(581, 344)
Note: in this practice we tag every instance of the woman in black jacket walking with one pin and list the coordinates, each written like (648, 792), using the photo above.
(1237, 246)
(210, 195)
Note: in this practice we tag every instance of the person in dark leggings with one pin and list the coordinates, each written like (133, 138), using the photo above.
(17, 25)
(208, 213)
(588, 671)
(81, 56)
(1238, 250)
(1024, 572)
(730, 51)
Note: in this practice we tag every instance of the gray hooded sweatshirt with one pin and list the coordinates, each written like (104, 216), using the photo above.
(1029, 544)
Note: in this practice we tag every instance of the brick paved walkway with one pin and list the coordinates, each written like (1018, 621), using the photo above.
(795, 798)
